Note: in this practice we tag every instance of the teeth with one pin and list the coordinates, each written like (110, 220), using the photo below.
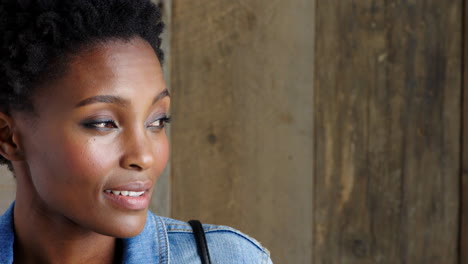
(135, 194)
(126, 193)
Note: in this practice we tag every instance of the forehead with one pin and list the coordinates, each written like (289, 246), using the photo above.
(123, 68)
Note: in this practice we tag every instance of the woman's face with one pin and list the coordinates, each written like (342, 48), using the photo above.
(96, 144)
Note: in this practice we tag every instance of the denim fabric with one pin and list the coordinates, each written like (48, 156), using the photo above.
(165, 241)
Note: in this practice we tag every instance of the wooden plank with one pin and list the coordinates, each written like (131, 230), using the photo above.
(464, 139)
(387, 119)
(242, 74)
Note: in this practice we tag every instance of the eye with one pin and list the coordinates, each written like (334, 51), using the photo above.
(160, 122)
(101, 124)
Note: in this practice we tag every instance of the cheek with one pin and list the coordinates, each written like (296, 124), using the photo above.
(161, 153)
(164, 150)
(68, 165)
(91, 156)
(81, 160)
(78, 160)
(97, 157)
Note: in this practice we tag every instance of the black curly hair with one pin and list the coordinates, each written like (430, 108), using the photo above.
(40, 36)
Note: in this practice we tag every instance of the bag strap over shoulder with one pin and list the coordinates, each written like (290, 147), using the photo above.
(200, 239)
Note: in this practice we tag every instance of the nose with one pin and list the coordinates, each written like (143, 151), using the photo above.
(139, 152)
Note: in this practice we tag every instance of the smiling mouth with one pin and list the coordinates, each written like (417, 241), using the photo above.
(126, 193)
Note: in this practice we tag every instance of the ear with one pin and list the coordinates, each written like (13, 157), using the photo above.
(9, 139)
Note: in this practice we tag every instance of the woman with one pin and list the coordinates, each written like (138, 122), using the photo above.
(83, 107)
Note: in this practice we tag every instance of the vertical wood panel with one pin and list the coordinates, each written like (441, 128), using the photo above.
(242, 80)
(387, 119)
(464, 139)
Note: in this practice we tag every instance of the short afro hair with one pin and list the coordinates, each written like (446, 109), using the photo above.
(40, 36)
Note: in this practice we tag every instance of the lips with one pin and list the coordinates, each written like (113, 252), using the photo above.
(129, 196)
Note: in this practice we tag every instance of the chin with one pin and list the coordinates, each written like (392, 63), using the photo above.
(126, 226)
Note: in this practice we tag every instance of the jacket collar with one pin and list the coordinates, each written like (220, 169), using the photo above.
(7, 236)
(150, 246)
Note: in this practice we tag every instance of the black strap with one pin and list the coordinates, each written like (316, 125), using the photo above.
(200, 239)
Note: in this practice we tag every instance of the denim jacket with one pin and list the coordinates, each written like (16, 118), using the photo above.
(165, 241)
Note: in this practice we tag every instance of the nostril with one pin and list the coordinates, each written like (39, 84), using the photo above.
(136, 161)
(135, 166)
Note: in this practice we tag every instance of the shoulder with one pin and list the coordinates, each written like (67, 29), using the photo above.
(225, 244)
(7, 236)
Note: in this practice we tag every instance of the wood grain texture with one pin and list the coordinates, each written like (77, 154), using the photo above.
(387, 131)
(464, 139)
(242, 75)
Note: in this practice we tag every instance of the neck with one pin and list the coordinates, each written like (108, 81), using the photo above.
(44, 237)
(42, 240)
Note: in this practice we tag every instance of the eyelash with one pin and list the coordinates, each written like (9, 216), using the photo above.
(98, 124)
(163, 121)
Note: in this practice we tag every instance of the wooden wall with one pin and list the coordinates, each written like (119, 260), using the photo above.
(242, 77)
(387, 138)
(464, 167)
(354, 150)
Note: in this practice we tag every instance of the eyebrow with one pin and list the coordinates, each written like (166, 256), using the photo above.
(112, 99)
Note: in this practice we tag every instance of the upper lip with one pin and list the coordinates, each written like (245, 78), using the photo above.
(134, 186)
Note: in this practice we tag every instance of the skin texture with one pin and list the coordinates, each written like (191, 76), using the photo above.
(64, 159)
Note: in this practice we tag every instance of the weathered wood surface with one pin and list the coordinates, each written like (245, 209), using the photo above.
(242, 76)
(387, 131)
(7, 188)
(464, 166)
